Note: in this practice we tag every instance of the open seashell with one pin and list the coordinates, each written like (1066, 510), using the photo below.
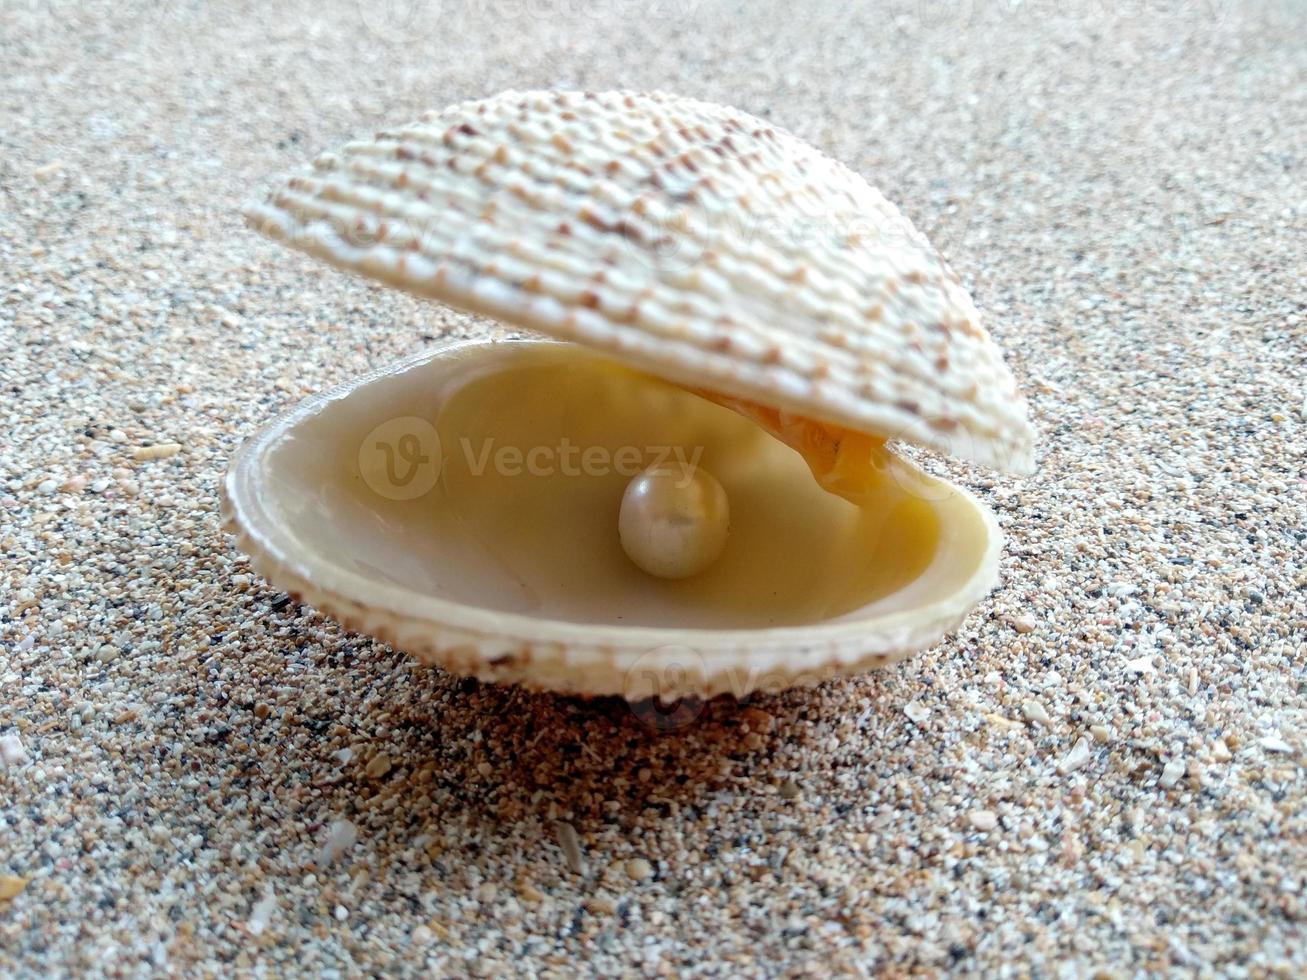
(754, 322)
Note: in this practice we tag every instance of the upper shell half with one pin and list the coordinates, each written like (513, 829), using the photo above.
(688, 239)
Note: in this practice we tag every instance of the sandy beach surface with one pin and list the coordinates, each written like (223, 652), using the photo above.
(1100, 774)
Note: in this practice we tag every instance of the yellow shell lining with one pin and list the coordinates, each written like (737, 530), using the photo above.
(521, 579)
(514, 524)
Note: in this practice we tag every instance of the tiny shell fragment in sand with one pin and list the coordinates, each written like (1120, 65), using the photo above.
(1024, 623)
(638, 869)
(1034, 711)
(916, 711)
(12, 752)
(10, 886)
(341, 836)
(261, 913)
(163, 450)
(1077, 757)
(1171, 773)
(570, 845)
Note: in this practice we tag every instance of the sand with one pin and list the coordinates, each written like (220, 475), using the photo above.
(1101, 772)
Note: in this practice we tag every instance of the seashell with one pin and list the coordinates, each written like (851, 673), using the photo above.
(722, 291)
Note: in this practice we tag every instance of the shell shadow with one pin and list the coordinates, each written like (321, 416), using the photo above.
(585, 758)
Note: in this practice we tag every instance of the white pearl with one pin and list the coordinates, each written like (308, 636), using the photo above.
(674, 520)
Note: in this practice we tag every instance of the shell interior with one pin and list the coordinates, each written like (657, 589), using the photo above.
(463, 506)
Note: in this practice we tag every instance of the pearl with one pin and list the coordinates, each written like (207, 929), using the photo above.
(674, 520)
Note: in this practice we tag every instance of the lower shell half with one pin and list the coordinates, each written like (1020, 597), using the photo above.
(463, 506)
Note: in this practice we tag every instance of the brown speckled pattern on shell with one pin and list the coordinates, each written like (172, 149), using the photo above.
(691, 239)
